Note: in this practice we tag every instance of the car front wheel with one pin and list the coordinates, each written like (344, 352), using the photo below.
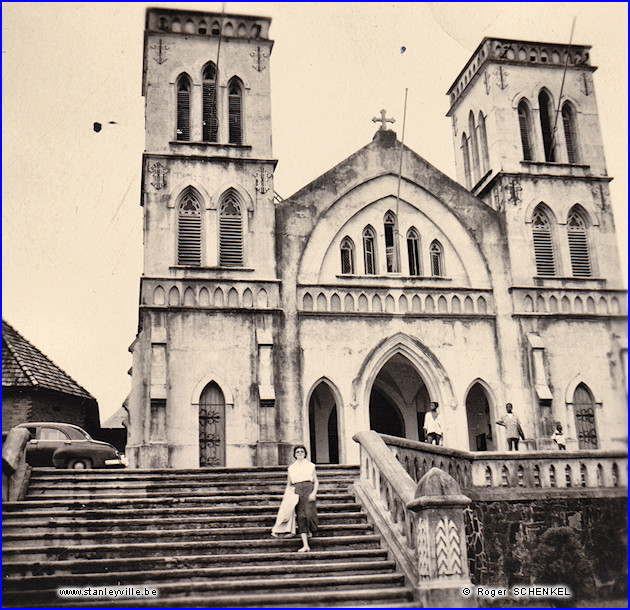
(80, 464)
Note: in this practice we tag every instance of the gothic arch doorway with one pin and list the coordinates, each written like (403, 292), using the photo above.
(480, 437)
(584, 408)
(323, 425)
(212, 426)
(399, 399)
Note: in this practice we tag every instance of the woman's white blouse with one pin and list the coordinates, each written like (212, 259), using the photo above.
(302, 471)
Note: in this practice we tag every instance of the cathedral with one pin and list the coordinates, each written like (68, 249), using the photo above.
(381, 286)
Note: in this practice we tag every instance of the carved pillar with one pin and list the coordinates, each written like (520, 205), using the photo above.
(441, 541)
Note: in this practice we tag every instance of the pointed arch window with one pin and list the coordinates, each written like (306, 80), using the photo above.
(183, 108)
(369, 251)
(413, 251)
(391, 242)
(189, 230)
(347, 255)
(546, 123)
(231, 231)
(543, 244)
(474, 145)
(578, 245)
(437, 259)
(235, 111)
(584, 409)
(466, 156)
(525, 124)
(570, 135)
(483, 141)
(210, 121)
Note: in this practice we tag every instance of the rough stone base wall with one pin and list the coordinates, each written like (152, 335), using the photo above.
(501, 534)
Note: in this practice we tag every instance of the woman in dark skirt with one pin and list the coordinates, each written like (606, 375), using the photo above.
(303, 478)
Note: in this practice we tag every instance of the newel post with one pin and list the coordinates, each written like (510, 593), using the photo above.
(441, 541)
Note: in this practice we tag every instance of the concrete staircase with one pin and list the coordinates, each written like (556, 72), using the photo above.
(200, 537)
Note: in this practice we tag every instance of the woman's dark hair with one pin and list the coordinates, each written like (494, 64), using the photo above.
(300, 447)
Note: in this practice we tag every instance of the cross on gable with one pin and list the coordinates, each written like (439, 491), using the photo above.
(383, 120)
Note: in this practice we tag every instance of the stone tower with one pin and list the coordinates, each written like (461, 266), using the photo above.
(528, 142)
(209, 272)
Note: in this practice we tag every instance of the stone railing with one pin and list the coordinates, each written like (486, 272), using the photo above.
(15, 471)
(491, 469)
(405, 300)
(213, 294)
(422, 524)
(541, 301)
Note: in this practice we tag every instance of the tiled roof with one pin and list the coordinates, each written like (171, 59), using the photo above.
(23, 365)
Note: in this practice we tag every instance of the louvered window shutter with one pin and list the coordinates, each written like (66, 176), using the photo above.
(545, 109)
(235, 115)
(210, 119)
(543, 246)
(230, 233)
(183, 111)
(436, 260)
(413, 254)
(569, 135)
(578, 246)
(368, 250)
(466, 155)
(523, 121)
(189, 232)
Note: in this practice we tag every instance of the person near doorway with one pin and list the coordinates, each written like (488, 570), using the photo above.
(513, 427)
(303, 479)
(433, 425)
(558, 438)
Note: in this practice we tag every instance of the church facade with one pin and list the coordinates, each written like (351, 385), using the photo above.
(381, 286)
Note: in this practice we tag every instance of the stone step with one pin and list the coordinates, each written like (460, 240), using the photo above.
(284, 570)
(192, 588)
(280, 472)
(80, 493)
(55, 550)
(19, 539)
(39, 526)
(71, 567)
(136, 503)
(350, 598)
(45, 490)
(22, 511)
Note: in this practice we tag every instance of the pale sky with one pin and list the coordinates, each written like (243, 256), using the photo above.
(72, 221)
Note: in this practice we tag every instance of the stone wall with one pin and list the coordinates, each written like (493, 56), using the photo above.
(502, 537)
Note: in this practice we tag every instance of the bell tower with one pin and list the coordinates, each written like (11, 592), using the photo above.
(202, 360)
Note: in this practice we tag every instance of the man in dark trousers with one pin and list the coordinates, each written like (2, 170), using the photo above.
(512, 426)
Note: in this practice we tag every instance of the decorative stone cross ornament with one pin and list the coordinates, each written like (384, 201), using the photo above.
(383, 121)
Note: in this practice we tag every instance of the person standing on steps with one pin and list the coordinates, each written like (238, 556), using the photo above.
(303, 478)
(433, 426)
(512, 426)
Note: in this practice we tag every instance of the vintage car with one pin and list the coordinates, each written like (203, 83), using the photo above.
(68, 446)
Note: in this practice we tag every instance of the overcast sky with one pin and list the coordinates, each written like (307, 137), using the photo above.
(72, 221)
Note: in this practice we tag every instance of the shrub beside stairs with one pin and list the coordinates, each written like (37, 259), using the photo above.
(200, 537)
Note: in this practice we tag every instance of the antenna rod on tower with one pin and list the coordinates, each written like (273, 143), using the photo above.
(564, 74)
(402, 148)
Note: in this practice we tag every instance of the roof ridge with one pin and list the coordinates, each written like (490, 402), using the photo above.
(25, 369)
(14, 353)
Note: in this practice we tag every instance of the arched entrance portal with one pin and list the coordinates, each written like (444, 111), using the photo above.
(212, 426)
(584, 408)
(480, 437)
(399, 400)
(323, 426)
